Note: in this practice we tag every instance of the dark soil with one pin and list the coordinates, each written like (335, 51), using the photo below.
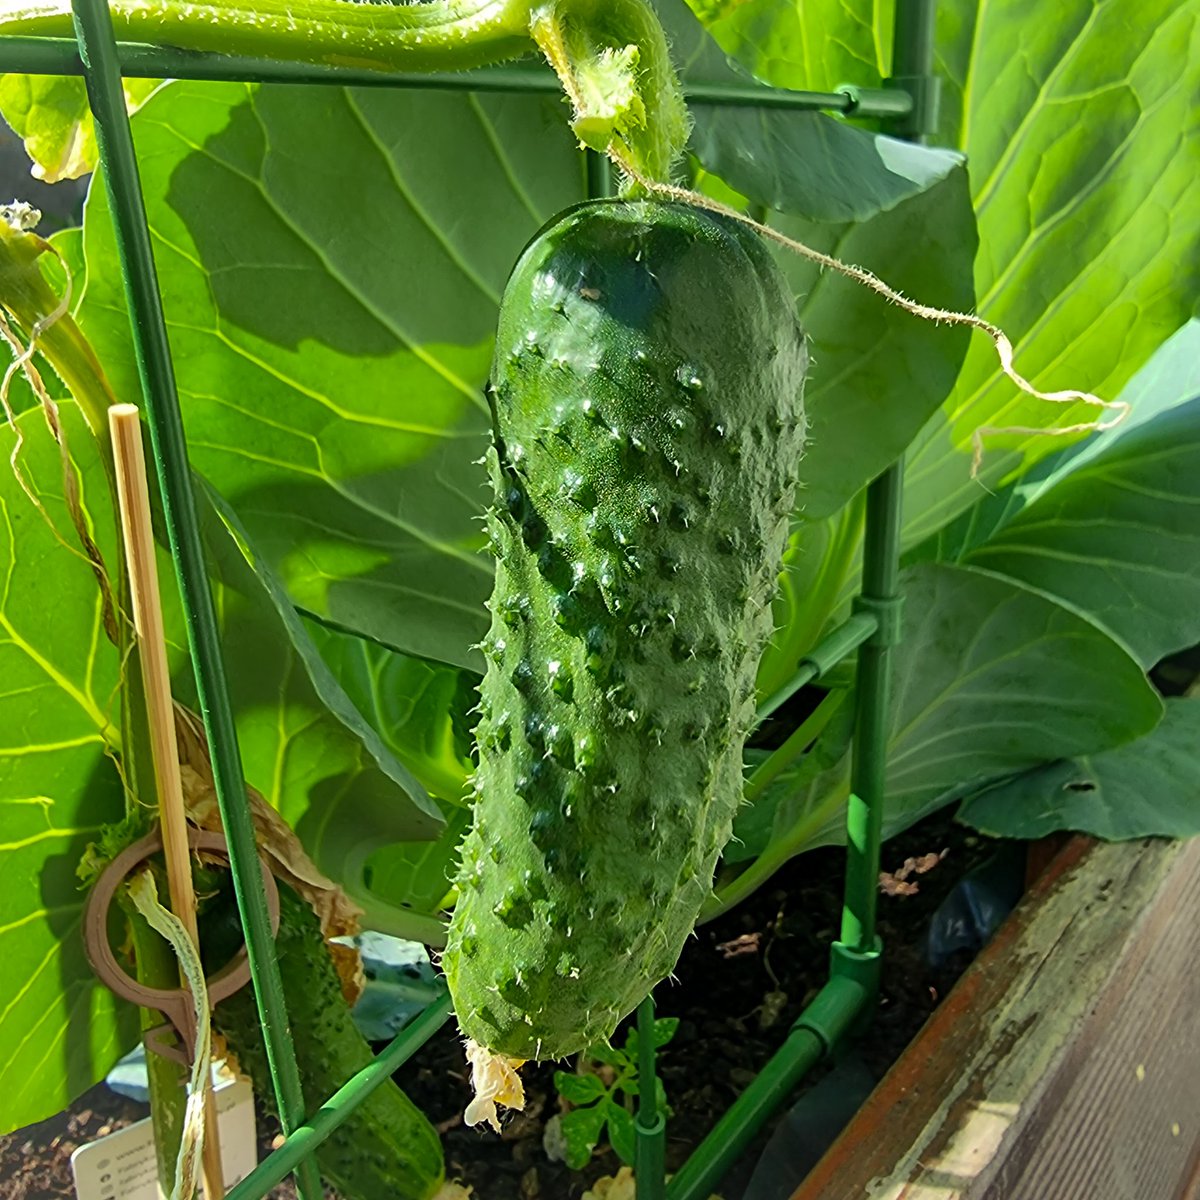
(740, 983)
(36, 1161)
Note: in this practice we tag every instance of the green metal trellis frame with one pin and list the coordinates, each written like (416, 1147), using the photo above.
(909, 105)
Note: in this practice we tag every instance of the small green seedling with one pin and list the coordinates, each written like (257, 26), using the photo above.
(598, 1105)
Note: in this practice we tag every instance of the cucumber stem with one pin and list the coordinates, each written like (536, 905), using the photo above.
(33, 303)
(445, 35)
(611, 55)
(612, 59)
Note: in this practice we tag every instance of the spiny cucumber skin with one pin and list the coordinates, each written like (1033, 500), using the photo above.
(387, 1147)
(648, 387)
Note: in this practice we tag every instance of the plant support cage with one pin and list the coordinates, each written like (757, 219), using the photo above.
(907, 106)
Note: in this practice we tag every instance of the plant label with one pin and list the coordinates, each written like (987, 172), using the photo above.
(122, 1166)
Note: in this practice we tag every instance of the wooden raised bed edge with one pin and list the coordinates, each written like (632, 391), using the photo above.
(1065, 1064)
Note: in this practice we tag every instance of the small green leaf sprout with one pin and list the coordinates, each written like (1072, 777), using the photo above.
(603, 1099)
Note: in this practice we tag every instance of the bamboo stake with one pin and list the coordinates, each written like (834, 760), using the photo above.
(138, 536)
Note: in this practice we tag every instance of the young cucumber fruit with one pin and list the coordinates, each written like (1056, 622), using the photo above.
(387, 1147)
(647, 391)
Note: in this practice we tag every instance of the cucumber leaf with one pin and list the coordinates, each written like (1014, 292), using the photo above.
(876, 375)
(807, 163)
(1148, 788)
(1110, 525)
(1119, 537)
(421, 712)
(60, 1030)
(790, 45)
(331, 342)
(1169, 379)
(992, 673)
(581, 1130)
(621, 1132)
(990, 678)
(1082, 148)
(579, 1089)
(811, 164)
(877, 372)
(406, 887)
(420, 709)
(304, 744)
(1088, 258)
(50, 114)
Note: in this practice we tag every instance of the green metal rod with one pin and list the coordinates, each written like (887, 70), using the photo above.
(868, 780)
(827, 653)
(302, 1143)
(913, 49)
(97, 49)
(819, 1027)
(912, 67)
(599, 175)
(650, 1125)
(59, 56)
(914, 39)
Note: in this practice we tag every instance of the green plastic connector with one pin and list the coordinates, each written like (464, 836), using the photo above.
(864, 967)
(925, 95)
(651, 1148)
(650, 1124)
(837, 1009)
(894, 104)
(888, 612)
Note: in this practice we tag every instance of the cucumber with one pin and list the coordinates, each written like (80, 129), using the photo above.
(647, 400)
(387, 1147)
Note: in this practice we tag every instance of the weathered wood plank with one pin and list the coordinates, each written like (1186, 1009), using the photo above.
(1065, 1064)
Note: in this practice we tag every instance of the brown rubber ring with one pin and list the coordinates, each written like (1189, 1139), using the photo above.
(175, 1003)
